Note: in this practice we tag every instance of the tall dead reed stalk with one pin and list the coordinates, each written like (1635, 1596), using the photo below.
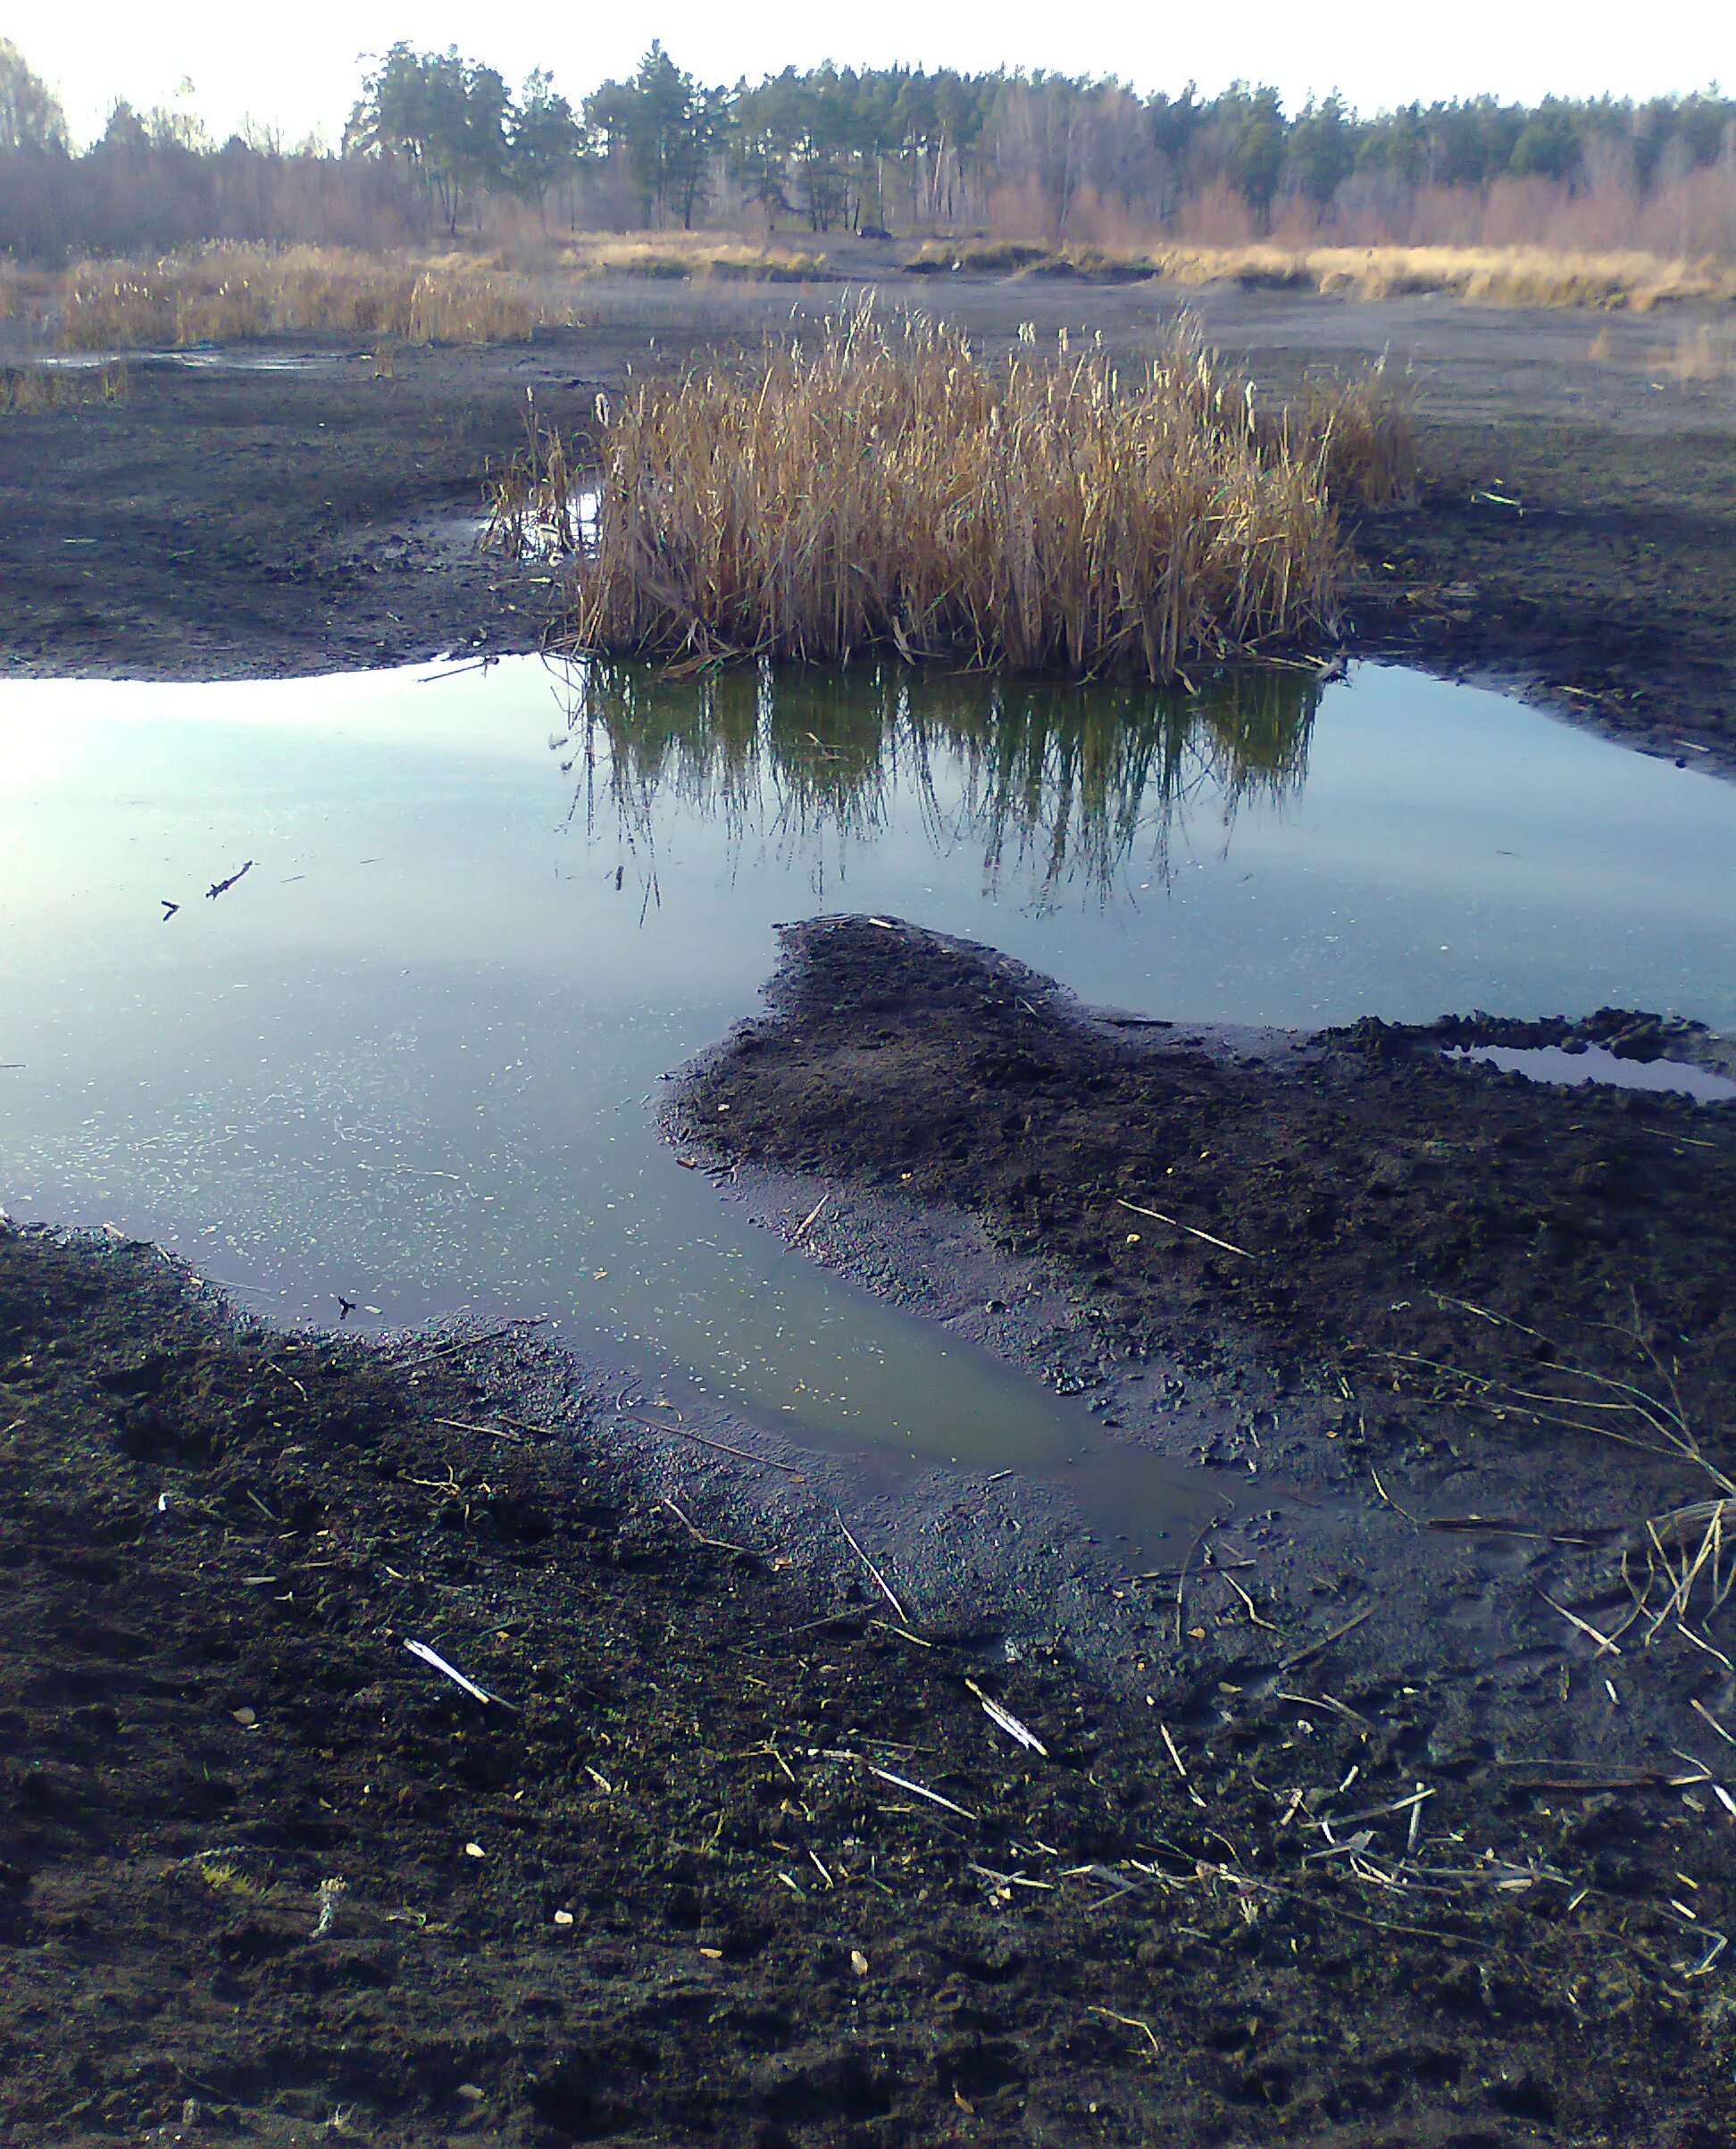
(878, 489)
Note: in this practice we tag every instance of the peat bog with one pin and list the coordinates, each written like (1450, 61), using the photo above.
(1383, 1804)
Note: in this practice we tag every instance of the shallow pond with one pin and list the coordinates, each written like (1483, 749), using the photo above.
(411, 1054)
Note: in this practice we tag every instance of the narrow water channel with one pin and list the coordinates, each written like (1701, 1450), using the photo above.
(411, 1055)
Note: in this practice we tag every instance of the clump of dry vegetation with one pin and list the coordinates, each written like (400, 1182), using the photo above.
(700, 256)
(1522, 276)
(231, 293)
(25, 390)
(1702, 355)
(1361, 432)
(879, 488)
(1517, 275)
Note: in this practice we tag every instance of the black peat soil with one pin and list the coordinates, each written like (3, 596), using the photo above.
(1593, 567)
(720, 1862)
(1357, 1193)
(234, 520)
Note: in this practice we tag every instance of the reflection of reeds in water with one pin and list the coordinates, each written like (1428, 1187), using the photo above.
(1055, 783)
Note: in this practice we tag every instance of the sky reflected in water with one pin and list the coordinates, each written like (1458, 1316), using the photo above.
(412, 1055)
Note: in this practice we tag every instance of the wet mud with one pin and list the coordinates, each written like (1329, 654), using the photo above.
(723, 1856)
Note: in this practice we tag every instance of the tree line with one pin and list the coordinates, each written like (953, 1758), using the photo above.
(437, 139)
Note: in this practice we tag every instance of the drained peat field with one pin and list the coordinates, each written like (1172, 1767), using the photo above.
(456, 1733)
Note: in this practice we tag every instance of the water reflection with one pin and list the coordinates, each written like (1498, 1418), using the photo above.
(1055, 783)
(413, 1056)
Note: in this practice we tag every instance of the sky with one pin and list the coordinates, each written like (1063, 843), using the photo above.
(297, 68)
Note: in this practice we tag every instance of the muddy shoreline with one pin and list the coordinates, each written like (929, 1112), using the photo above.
(1346, 1827)
(735, 1850)
(1368, 1292)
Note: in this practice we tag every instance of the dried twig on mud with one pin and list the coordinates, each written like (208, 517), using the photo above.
(1607, 1643)
(1666, 1429)
(717, 1544)
(795, 1237)
(1130, 2022)
(921, 1791)
(451, 1671)
(1004, 1720)
(474, 1342)
(1176, 1224)
(881, 1582)
(1314, 1648)
(1181, 1576)
(723, 1447)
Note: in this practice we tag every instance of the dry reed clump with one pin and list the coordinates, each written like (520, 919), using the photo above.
(1361, 433)
(25, 390)
(535, 505)
(879, 490)
(1702, 355)
(232, 294)
(696, 255)
(1522, 276)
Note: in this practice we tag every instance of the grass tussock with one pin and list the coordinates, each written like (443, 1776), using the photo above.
(26, 389)
(1361, 433)
(232, 294)
(878, 489)
(1701, 356)
(698, 256)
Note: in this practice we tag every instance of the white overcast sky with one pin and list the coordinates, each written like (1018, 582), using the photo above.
(296, 67)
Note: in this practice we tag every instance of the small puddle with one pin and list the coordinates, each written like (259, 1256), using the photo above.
(414, 1053)
(1578, 1063)
(233, 359)
(529, 536)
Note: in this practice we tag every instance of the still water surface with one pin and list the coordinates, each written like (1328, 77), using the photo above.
(412, 1054)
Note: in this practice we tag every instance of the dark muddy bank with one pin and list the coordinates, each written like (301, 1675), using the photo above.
(224, 522)
(269, 1875)
(1346, 1193)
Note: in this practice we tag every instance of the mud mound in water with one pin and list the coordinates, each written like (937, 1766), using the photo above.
(1354, 1191)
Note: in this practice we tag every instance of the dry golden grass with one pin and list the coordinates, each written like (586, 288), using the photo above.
(1703, 355)
(1509, 276)
(1515, 276)
(879, 490)
(1362, 434)
(27, 389)
(700, 256)
(231, 293)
